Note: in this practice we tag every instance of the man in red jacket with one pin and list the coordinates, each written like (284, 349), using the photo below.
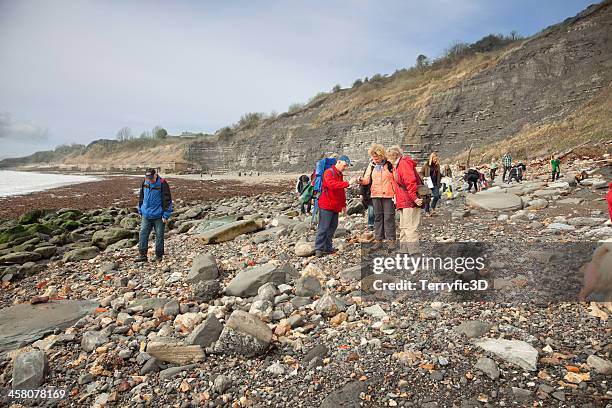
(331, 202)
(406, 200)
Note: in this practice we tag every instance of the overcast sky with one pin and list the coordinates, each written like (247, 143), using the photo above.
(75, 71)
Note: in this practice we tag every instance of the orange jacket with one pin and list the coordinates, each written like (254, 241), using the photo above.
(383, 184)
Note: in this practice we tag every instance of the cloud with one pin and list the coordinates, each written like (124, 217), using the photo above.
(20, 131)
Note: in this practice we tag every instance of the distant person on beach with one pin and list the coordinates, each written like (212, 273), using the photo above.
(507, 165)
(516, 173)
(447, 180)
(431, 171)
(472, 176)
(379, 175)
(555, 165)
(155, 207)
(407, 201)
(493, 169)
(331, 202)
(303, 183)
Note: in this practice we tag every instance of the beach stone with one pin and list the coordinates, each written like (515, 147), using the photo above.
(147, 304)
(20, 257)
(494, 201)
(172, 308)
(304, 249)
(586, 221)
(473, 328)
(174, 351)
(346, 396)
(244, 334)
(570, 200)
(537, 204)
(123, 244)
(516, 352)
(248, 281)
(375, 311)
(600, 365)
(487, 366)
(351, 274)
(23, 324)
(31, 217)
(203, 268)
(307, 286)
(559, 226)
(105, 237)
(81, 254)
(222, 383)
(206, 333)
(276, 369)
(46, 251)
(329, 305)
(227, 232)
(172, 371)
(30, 370)
(92, 339)
(206, 291)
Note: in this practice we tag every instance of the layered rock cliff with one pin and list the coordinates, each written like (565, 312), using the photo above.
(479, 101)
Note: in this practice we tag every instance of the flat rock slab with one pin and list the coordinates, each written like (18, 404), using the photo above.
(23, 324)
(516, 352)
(495, 201)
(228, 232)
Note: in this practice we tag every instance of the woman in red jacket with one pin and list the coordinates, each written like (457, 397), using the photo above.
(406, 200)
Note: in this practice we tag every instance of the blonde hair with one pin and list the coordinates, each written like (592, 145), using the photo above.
(377, 150)
(394, 153)
(433, 156)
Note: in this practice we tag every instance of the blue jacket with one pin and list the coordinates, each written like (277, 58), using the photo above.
(155, 200)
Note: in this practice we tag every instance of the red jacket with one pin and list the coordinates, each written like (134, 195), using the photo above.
(333, 197)
(610, 201)
(407, 181)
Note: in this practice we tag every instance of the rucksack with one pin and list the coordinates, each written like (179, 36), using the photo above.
(320, 168)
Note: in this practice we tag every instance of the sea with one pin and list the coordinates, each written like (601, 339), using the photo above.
(23, 182)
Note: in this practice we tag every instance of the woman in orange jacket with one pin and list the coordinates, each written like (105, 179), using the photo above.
(380, 174)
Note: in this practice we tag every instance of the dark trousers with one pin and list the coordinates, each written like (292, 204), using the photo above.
(306, 207)
(473, 183)
(146, 227)
(384, 218)
(435, 196)
(493, 171)
(555, 173)
(328, 223)
(506, 170)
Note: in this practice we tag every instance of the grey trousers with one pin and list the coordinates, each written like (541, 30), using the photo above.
(384, 218)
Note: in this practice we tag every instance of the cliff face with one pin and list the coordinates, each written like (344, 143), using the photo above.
(480, 101)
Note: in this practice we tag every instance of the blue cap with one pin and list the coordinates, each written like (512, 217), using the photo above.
(345, 159)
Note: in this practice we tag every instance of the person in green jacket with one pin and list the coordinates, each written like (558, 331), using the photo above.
(555, 164)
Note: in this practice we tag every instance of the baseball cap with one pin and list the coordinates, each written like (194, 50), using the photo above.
(345, 159)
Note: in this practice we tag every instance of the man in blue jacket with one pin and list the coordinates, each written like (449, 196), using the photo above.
(155, 207)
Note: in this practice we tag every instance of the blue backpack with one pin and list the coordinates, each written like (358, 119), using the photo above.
(320, 168)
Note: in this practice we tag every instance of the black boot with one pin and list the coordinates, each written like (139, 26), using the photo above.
(141, 258)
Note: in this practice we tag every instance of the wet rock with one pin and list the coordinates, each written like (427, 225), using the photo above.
(30, 370)
(20, 257)
(516, 352)
(206, 333)
(248, 281)
(203, 268)
(244, 334)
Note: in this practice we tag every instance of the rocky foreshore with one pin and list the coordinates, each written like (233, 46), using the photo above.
(240, 313)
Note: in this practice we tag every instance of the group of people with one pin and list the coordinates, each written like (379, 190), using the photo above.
(389, 183)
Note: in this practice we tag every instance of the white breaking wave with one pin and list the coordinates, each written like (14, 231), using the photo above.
(23, 182)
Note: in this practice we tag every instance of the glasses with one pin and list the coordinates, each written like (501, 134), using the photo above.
(148, 175)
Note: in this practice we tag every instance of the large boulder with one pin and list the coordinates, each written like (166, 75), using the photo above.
(30, 370)
(81, 254)
(244, 334)
(31, 217)
(206, 333)
(494, 201)
(108, 236)
(24, 323)
(229, 231)
(304, 249)
(203, 268)
(516, 352)
(20, 257)
(247, 282)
